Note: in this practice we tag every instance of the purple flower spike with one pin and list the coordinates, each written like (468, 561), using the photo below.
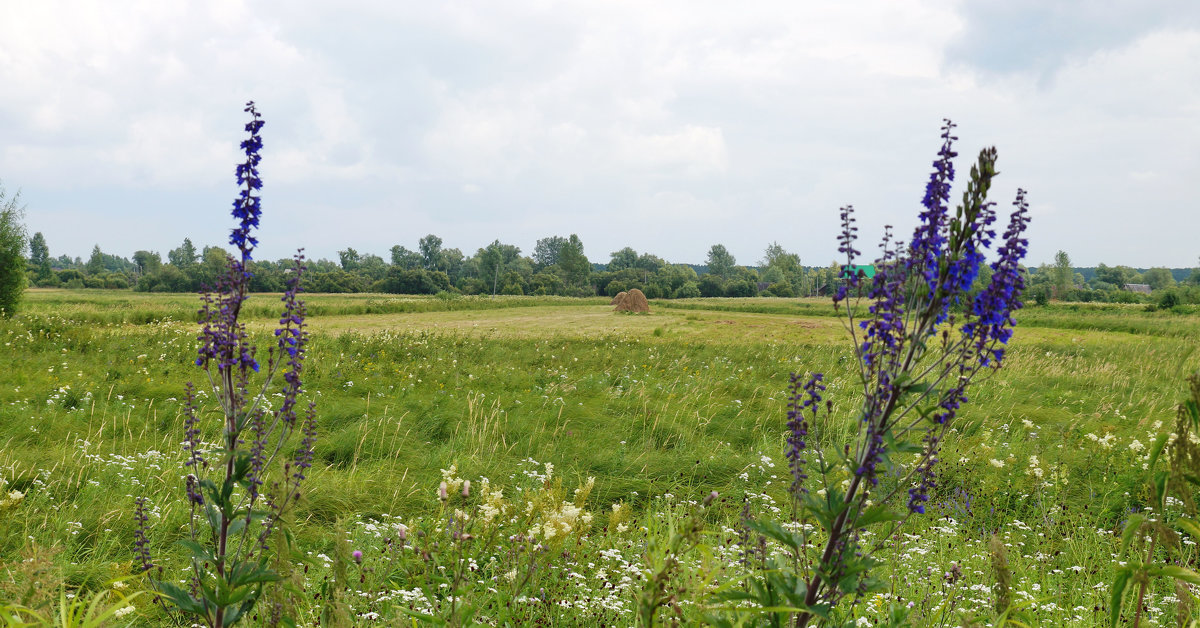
(248, 206)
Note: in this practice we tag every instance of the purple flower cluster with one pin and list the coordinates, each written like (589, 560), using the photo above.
(919, 288)
(254, 434)
(804, 397)
(248, 206)
(141, 543)
(927, 331)
(993, 308)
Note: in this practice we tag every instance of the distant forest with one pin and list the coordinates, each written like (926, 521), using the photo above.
(558, 266)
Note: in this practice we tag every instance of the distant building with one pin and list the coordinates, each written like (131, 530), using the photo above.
(1140, 288)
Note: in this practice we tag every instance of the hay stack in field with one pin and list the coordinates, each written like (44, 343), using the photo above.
(634, 301)
(621, 296)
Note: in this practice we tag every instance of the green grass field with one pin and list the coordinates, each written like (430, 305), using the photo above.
(659, 409)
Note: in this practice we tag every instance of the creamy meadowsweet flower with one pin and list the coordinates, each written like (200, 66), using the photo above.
(1136, 446)
(999, 464)
(1035, 467)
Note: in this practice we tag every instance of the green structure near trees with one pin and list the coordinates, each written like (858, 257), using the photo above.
(867, 270)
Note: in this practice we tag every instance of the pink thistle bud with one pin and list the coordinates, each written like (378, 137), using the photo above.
(442, 492)
(466, 488)
(357, 556)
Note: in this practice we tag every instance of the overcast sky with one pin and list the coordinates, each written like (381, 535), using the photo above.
(665, 126)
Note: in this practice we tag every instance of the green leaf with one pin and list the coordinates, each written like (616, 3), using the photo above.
(181, 598)
(1188, 525)
(1157, 449)
(1160, 486)
(1131, 527)
(198, 551)
(877, 514)
(1118, 595)
(235, 614)
(775, 531)
(237, 525)
(250, 573)
(241, 466)
(1178, 573)
(818, 508)
(900, 446)
(1193, 410)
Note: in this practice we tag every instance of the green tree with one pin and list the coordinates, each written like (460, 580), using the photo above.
(620, 260)
(545, 252)
(213, 265)
(1116, 275)
(349, 259)
(574, 264)
(453, 263)
(494, 260)
(39, 258)
(787, 265)
(650, 263)
(372, 267)
(431, 252)
(95, 264)
(12, 253)
(147, 261)
(1061, 275)
(720, 261)
(404, 258)
(185, 256)
(1158, 278)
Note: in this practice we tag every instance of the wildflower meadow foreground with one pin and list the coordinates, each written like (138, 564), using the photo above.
(903, 454)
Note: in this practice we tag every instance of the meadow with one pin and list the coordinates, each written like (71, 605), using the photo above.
(590, 439)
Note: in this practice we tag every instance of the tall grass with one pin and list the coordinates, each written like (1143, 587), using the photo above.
(90, 417)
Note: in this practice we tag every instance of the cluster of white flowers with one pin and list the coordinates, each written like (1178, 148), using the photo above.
(1106, 442)
(1035, 468)
(13, 497)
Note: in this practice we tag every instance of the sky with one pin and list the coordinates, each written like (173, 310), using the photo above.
(665, 126)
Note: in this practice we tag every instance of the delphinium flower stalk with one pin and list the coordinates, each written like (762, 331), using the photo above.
(919, 344)
(237, 502)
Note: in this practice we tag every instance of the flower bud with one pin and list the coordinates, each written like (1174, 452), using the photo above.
(466, 492)
(442, 492)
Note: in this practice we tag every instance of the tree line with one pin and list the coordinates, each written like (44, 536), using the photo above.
(1114, 284)
(556, 266)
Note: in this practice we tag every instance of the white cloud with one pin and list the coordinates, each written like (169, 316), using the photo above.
(702, 121)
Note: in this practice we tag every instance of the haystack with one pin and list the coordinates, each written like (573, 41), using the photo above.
(621, 296)
(634, 301)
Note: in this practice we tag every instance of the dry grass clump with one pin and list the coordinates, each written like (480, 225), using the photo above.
(634, 301)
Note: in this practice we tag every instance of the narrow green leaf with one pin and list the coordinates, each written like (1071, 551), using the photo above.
(1160, 487)
(1118, 595)
(1131, 527)
(1188, 525)
(1157, 449)
(1180, 573)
